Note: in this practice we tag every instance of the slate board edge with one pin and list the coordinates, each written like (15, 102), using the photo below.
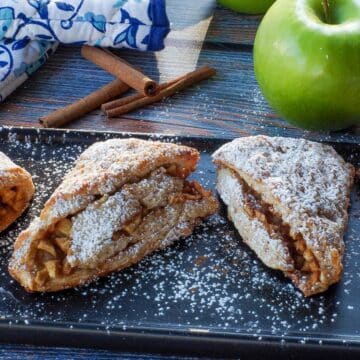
(183, 341)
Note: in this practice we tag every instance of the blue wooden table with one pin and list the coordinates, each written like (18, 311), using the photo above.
(21, 352)
(231, 104)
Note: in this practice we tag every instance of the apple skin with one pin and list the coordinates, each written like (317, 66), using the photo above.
(248, 6)
(309, 70)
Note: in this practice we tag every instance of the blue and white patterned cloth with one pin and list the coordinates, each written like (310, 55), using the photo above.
(30, 30)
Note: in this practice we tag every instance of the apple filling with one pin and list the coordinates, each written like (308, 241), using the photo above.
(11, 200)
(111, 224)
(305, 263)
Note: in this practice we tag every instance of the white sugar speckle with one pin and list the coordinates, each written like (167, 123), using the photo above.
(209, 280)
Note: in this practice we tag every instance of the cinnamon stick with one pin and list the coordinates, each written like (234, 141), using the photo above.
(121, 69)
(128, 99)
(91, 102)
(134, 102)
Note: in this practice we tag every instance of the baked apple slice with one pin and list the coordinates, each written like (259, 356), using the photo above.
(123, 200)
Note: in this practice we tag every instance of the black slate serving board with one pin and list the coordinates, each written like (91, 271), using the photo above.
(206, 295)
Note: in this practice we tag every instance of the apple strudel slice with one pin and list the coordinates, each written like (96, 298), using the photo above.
(16, 191)
(288, 198)
(121, 201)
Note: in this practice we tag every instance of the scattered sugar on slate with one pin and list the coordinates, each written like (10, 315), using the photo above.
(209, 280)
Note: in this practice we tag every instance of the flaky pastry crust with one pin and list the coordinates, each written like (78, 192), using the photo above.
(16, 191)
(288, 198)
(123, 199)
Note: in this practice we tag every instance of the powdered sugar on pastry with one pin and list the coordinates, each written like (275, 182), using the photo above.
(121, 193)
(105, 166)
(307, 185)
(107, 216)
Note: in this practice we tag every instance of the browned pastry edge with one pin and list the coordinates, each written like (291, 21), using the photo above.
(330, 264)
(15, 176)
(87, 179)
(114, 264)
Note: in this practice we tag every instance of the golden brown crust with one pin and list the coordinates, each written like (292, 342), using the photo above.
(112, 170)
(104, 167)
(126, 258)
(18, 182)
(108, 165)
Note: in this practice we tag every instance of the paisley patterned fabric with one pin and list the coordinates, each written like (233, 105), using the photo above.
(30, 30)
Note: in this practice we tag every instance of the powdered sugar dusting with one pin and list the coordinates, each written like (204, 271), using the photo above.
(307, 184)
(105, 218)
(87, 241)
(209, 281)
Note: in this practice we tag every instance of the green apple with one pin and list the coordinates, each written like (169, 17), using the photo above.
(307, 62)
(248, 6)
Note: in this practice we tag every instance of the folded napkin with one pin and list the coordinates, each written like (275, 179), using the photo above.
(30, 30)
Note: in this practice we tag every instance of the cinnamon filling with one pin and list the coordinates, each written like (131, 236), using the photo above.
(50, 259)
(11, 200)
(305, 262)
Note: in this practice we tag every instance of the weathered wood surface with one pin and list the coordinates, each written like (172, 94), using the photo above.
(229, 105)
(21, 352)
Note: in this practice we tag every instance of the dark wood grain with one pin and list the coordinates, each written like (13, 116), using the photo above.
(231, 104)
(22, 352)
(226, 26)
(229, 27)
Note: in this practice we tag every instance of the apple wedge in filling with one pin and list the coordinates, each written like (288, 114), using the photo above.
(288, 199)
(123, 200)
(16, 191)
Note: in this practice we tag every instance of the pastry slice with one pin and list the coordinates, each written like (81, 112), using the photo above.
(16, 191)
(288, 198)
(121, 201)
